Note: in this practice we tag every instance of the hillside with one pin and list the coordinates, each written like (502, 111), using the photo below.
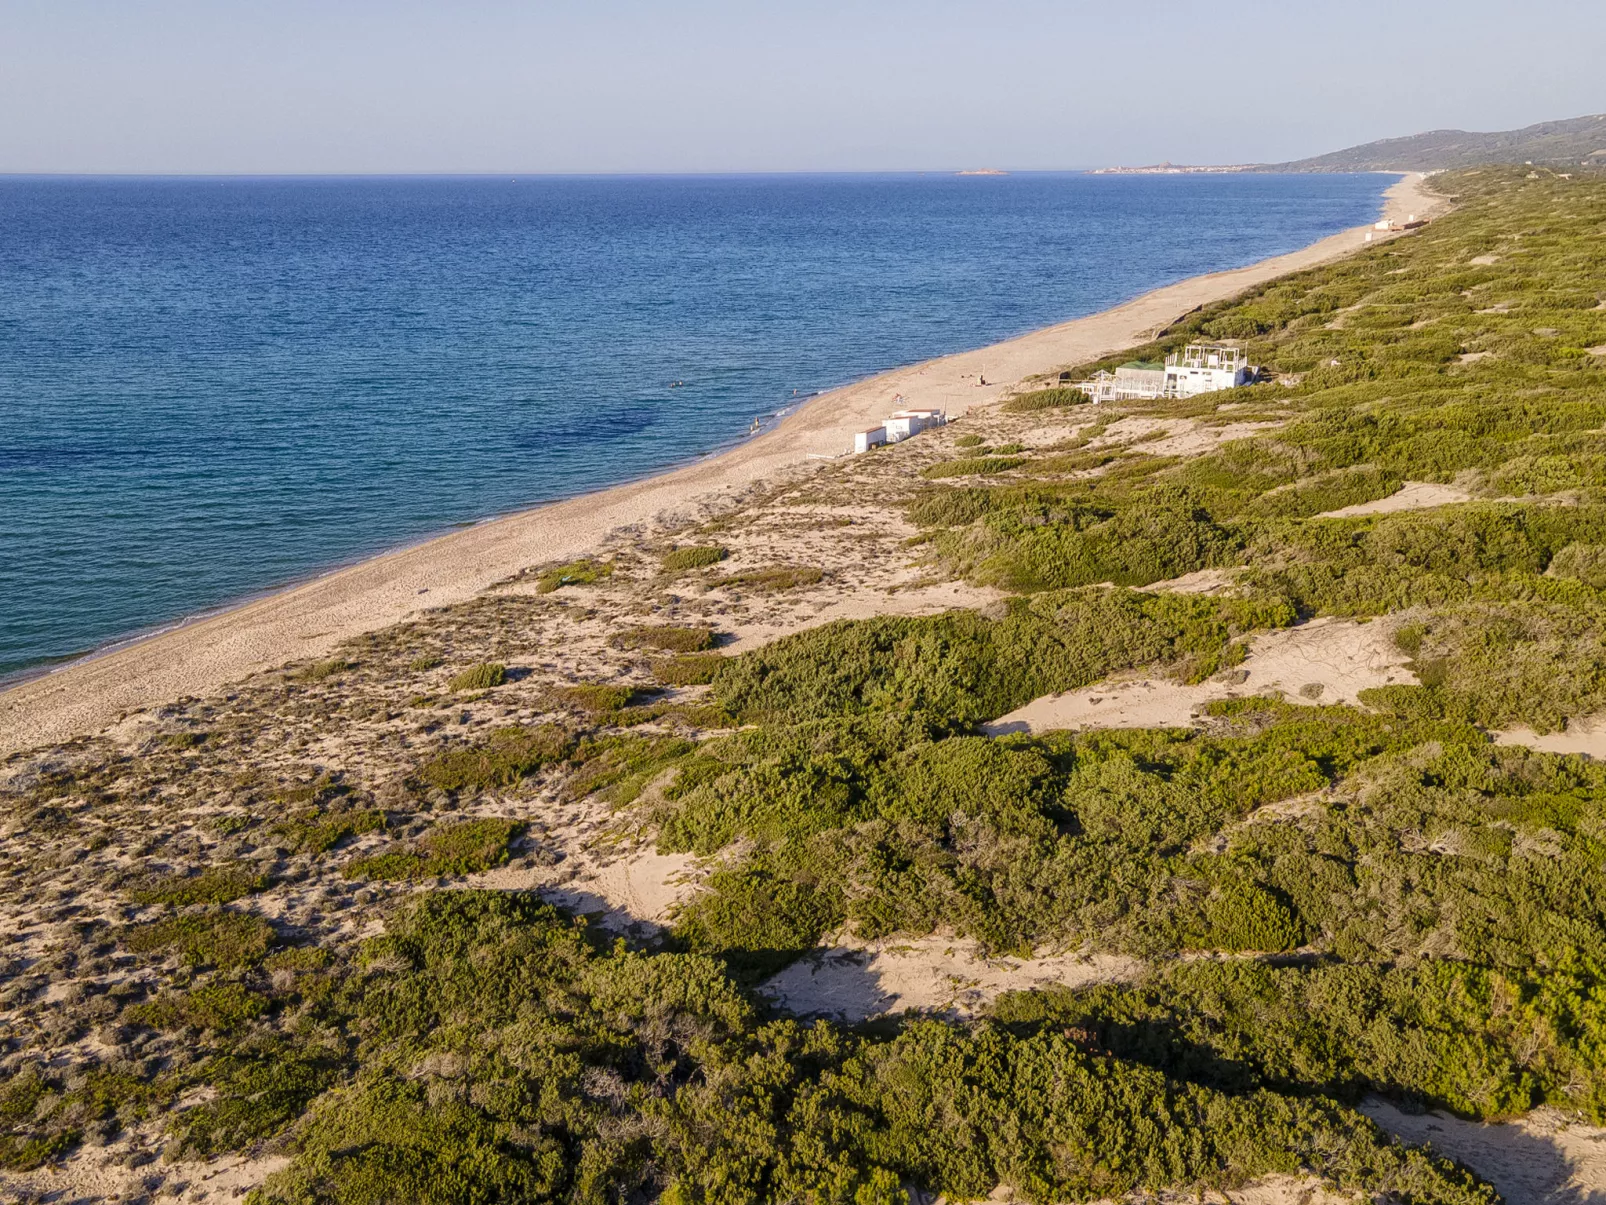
(1186, 784)
(1578, 142)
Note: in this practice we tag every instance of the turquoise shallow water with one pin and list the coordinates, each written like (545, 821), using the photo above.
(209, 388)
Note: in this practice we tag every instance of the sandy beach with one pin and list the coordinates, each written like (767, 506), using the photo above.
(306, 621)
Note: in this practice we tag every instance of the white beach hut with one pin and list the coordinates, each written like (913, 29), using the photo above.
(863, 441)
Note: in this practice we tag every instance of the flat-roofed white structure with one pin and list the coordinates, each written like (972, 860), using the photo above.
(905, 423)
(863, 441)
(1205, 368)
(1198, 368)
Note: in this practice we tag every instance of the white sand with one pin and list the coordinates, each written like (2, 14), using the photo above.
(854, 982)
(1540, 1159)
(309, 620)
(1337, 656)
(1586, 736)
(1413, 495)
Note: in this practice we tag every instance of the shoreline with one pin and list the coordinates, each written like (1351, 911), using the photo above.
(202, 655)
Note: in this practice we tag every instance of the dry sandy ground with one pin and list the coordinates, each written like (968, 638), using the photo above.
(1540, 1159)
(1323, 661)
(1413, 495)
(1586, 736)
(311, 619)
(854, 982)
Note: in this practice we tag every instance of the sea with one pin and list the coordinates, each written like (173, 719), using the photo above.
(214, 387)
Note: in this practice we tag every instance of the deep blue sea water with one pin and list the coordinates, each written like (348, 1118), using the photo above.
(211, 387)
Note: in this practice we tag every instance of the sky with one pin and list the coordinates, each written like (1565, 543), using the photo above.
(465, 86)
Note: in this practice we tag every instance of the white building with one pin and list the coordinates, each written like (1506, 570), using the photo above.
(863, 441)
(1205, 368)
(1198, 368)
(905, 423)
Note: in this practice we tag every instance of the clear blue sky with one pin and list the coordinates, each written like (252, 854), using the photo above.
(758, 85)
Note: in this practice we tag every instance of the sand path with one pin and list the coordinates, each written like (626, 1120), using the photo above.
(1324, 661)
(310, 619)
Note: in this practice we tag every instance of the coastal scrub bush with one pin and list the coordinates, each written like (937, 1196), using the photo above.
(978, 466)
(218, 885)
(319, 830)
(584, 572)
(213, 938)
(320, 671)
(468, 847)
(483, 676)
(692, 556)
(594, 698)
(1044, 399)
(968, 441)
(666, 1086)
(668, 638)
(773, 578)
(695, 669)
(508, 755)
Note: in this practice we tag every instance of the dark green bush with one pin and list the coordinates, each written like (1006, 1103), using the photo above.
(480, 677)
(694, 556)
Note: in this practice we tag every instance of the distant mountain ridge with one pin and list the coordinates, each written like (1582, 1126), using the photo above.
(1576, 142)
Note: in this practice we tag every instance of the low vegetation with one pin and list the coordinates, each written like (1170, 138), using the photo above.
(1323, 901)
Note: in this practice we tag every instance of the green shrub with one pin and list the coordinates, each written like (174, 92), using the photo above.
(976, 467)
(773, 578)
(968, 441)
(320, 671)
(668, 638)
(222, 1008)
(507, 756)
(469, 847)
(584, 572)
(483, 676)
(320, 830)
(695, 556)
(697, 669)
(218, 885)
(595, 698)
(1044, 399)
(216, 938)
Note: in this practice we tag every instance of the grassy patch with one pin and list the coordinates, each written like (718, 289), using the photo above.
(584, 572)
(668, 638)
(695, 556)
(480, 677)
(469, 847)
(695, 669)
(214, 938)
(506, 757)
(773, 578)
(978, 466)
(1044, 399)
(218, 885)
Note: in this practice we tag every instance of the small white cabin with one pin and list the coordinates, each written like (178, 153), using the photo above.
(863, 441)
(905, 423)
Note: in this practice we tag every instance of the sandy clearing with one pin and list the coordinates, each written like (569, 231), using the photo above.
(1586, 735)
(310, 619)
(100, 1173)
(1597, 351)
(1200, 581)
(635, 889)
(853, 982)
(1539, 1159)
(923, 599)
(1323, 661)
(1198, 439)
(1413, 495)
